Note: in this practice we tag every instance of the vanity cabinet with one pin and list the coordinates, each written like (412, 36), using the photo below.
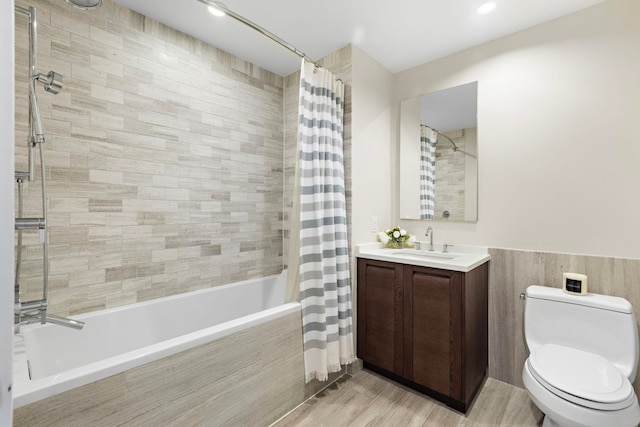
(425, 327)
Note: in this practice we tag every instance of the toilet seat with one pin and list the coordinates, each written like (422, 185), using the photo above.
(583, 378)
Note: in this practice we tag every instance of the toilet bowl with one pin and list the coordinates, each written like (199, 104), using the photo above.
(583, 356)
(562, 409)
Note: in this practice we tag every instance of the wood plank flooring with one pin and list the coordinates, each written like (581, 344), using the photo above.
(367, 399)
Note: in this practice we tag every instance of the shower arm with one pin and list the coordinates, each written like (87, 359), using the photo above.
(221, 6)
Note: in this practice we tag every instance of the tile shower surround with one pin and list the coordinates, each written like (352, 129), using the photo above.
(164, 160)
(166, 166)
(450, 176)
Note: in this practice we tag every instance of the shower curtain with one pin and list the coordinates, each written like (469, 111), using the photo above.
(428, 140)
(325, 285)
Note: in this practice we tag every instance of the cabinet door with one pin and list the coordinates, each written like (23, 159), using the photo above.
(432, 332)
(380, 325)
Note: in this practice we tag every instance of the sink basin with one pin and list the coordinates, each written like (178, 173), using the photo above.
(426, 255)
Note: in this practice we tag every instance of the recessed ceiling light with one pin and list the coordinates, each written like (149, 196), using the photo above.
(486, 8)
(215, 11)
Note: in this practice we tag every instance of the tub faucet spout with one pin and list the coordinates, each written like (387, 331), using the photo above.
(65, 321)
(29, 312)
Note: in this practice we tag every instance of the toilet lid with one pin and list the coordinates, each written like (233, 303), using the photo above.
(581, 377)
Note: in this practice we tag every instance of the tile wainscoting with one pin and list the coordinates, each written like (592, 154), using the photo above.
(512, 271)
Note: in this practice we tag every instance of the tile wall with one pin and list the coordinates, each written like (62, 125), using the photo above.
(450, 179)
(164, 160)
(512, 271)
(249, 378)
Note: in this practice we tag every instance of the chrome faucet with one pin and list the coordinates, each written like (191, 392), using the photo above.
(65, 321)
(29, 312)
(429, 234)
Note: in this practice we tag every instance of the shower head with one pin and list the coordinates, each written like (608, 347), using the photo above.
(85, 4)
(52, 83)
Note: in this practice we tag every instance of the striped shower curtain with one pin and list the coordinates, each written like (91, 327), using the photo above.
(428, 139)
(325, 285)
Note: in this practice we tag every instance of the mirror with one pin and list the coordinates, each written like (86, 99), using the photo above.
(439, 155)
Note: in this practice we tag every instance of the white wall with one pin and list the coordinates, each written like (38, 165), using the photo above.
(471, 174)
(558, 134)
(6, 210)
(409, 158)
(371, 147)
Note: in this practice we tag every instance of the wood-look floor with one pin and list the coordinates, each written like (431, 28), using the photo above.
(367, 399)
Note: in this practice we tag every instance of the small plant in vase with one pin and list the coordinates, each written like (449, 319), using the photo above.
(398, 238)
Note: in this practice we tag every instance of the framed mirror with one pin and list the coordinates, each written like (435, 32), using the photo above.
(439, 155)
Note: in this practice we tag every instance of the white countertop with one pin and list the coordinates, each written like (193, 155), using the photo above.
(457, 258)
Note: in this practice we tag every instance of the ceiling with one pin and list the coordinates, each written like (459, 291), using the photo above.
(399, 34)
(450, 109)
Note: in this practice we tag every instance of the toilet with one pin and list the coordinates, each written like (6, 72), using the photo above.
(583, 358)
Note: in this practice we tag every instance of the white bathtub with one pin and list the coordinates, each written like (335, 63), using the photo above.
(52, 359)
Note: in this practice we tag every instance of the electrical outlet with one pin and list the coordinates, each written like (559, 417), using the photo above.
(374, 224)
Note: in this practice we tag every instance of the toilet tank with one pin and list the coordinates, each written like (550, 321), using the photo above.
(599, 324)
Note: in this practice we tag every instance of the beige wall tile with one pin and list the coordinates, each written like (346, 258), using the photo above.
(512, 271)
(252, 377)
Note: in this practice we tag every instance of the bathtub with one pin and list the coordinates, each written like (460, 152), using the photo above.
(201, 348)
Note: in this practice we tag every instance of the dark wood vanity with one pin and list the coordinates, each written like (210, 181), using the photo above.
(425, 327)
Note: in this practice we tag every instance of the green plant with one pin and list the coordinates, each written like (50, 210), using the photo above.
(398, 235)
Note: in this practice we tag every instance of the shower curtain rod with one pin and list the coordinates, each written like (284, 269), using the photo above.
(455, 147)
(221, 6)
